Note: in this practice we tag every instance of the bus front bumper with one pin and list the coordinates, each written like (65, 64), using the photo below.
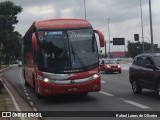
(72, 87)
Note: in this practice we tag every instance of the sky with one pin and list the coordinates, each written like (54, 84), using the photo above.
(114, 18)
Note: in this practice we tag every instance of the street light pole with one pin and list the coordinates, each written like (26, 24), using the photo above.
(151, 30)
(109, 39)
(142, 25)
(105, 49)
(85, 9)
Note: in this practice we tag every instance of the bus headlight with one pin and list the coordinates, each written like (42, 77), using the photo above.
(43, 79)
(95, 76)
(46, 80)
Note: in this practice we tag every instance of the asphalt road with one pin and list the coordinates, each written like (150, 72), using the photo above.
(115, 95)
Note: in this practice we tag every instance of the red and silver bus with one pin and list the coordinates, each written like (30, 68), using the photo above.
(60, 56)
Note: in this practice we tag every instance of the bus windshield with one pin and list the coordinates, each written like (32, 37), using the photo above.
(67, 51)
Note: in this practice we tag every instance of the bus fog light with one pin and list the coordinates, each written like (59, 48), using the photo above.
(46, 90)
(46, 80)
(95, 87)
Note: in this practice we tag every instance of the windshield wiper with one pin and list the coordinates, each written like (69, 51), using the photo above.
(79, 59)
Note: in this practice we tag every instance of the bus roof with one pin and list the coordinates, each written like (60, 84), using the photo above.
(61, 23)
(58, 24)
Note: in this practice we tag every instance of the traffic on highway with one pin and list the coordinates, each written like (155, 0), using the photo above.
(115, 95)
(77, 59)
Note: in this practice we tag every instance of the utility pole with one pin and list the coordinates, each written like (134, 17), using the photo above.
(142, 25)
(85, 9)
(109, 39)
(105, 49)
(151, 30)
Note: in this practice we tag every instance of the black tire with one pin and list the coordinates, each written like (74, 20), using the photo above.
(24, 76)
(135, 87)
(86, 93)
(26, 83)
(106, 72)
(39, 96)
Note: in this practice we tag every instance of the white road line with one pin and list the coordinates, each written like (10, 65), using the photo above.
(104, 77)
(102, 81)
(34, 109)
(21, 78)
(31, 103)
(105, 93)
(28, 98)
(13, 100)
(136, 104)
(27, 95)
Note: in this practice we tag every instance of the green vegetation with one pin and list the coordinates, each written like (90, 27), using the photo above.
(135, 48)
(3, 106)
(9, 39)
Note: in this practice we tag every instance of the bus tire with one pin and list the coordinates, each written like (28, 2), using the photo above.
(24, 76)
(39, 96)
(85, 93)
(26, 83)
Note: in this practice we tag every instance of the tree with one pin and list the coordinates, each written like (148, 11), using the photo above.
(134, 49)
(8, 15)
(9, 39)
(137, 48)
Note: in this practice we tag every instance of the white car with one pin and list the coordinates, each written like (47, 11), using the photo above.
(19, 63)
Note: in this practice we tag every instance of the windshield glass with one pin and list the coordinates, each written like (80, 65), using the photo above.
(110, 62)
(83, 48)
(66, 50)
(157, 61)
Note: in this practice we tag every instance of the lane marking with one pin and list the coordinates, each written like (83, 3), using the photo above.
(105, 93)
(104, 77)
(31, 103)
(34, 109)
(25, 91)
(135, 104)
(28, 98)
(14, 101)
(20, 71)
(102, 81)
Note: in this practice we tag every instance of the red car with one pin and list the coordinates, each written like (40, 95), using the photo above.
(110, 66)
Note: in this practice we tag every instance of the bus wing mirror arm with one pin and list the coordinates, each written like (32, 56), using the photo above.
(101, 38)
(34, 42)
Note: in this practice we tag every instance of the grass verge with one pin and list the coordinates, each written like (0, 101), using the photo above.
(3, 106)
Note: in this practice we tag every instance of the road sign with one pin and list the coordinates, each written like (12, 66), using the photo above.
(118, 41)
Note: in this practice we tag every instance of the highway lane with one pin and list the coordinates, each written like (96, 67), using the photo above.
(118, 85)
(116, 95)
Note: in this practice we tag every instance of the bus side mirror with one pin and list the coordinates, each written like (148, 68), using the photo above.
(34, 42)
(101, 37)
